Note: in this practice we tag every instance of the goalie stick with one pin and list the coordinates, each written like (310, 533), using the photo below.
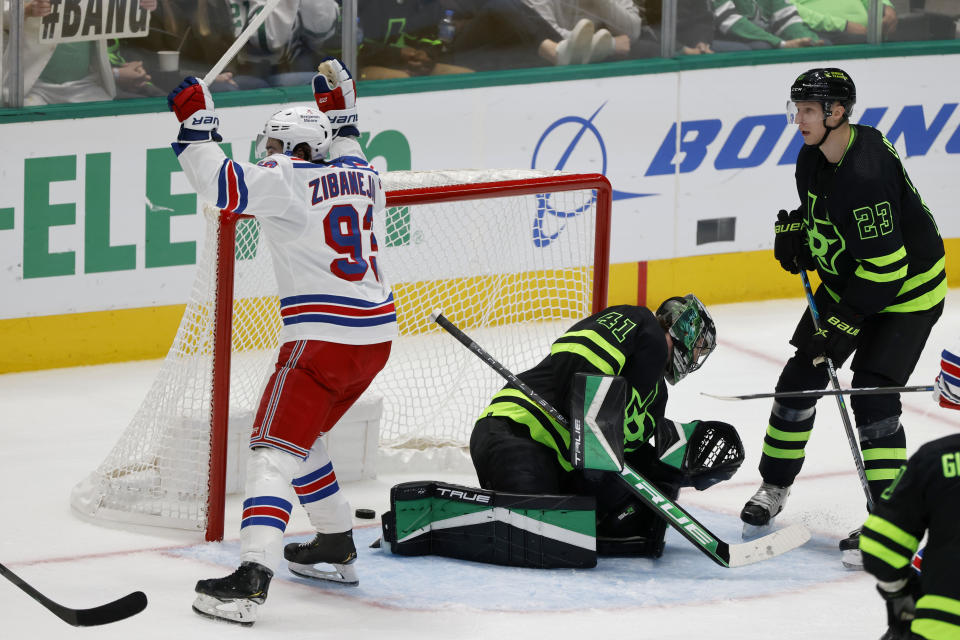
(813, 393)
(844, 414)
(129, 605)
(724, 554)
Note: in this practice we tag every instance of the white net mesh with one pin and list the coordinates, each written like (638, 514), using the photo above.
(512, 272)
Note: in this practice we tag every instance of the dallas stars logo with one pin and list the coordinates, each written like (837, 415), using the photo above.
(826, 244)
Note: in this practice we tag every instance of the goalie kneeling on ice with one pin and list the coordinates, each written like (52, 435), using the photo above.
(539, 531)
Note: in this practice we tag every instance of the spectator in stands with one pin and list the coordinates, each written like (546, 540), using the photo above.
(400, 40)
(763, 24)
(132, 78)
(695, 30)
(507, 34)
(69, 71)
(204, 29)
(844, 21)
(614, 28)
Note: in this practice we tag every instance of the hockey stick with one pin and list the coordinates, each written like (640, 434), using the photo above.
(240, 41)
(129, 605)
(724, 554)
(841, 404)
(815, 393)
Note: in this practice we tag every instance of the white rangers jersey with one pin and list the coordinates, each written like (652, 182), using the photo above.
(318, 222)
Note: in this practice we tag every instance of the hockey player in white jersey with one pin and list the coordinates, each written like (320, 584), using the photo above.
(337, 312)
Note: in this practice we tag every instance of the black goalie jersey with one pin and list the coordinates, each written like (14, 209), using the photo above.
(876, 244)
(925, 497)
(623, 340)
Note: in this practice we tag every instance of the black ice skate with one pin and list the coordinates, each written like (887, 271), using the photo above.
(850, 551)
(762, 508)
(236, 597)
(336, 549)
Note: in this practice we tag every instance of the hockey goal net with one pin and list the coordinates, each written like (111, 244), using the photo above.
(511, 256)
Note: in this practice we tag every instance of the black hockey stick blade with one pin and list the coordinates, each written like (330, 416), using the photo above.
(810, 393)
(129, 605)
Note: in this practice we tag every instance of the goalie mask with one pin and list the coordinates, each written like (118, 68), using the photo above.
(692, 332)
(295, 126)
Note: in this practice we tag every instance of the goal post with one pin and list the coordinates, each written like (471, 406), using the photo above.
(518, 254)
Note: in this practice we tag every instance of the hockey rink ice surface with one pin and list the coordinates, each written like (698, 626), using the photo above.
(58, 425)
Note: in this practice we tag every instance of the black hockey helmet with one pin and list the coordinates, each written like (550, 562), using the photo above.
(693, 333)
(826, 86)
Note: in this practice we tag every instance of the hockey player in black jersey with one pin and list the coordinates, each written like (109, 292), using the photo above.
(516, 447)
(924, 498)
(864, 228)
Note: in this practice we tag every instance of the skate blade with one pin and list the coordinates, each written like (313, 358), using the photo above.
(342, 573)
(754, 531)
(852, 559)
(238, 611)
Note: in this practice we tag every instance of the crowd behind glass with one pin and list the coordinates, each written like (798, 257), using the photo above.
(389, 39)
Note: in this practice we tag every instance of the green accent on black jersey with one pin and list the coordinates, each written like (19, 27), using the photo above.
(514, 405)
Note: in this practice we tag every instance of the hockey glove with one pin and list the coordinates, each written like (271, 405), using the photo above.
(901, 606)
(946, 388)
(838, 335)
(192, 103)
(336, 94)
(790, 245)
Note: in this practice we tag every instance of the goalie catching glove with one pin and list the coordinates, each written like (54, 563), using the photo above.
(703, 452)
(336, 94)
(192, 103)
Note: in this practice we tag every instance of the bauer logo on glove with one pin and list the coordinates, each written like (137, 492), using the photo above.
(192, 103)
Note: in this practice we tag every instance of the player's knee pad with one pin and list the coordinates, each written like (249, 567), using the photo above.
(874, 408)
(491, 526)
(702, 452)
(269, 471)
(800, 374)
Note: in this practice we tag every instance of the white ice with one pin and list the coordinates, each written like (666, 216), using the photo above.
(58, 425)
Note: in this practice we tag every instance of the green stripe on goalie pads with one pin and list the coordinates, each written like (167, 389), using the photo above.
(597, 406)
(493, 527)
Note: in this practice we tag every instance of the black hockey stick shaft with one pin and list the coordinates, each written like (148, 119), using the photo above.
(841, 403)
(129, 605)
(816, 393)
(688, 526)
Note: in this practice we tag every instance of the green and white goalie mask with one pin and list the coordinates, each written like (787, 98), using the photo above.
(693, 333)
(703, 453)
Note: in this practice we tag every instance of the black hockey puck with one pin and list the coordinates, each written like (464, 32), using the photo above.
(366, 514)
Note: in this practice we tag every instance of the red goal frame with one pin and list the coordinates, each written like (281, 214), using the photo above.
(226, 244)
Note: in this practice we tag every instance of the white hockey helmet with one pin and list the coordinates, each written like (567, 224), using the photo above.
(294, 126)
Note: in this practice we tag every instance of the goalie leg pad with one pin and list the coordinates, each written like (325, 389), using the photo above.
(511, 529)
